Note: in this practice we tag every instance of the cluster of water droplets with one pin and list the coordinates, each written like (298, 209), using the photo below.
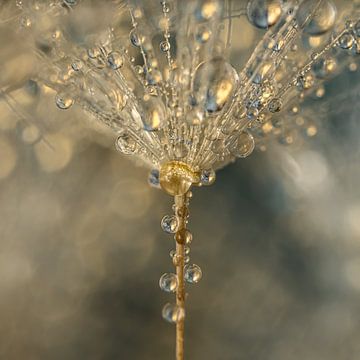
(169, 282)
(159, 75)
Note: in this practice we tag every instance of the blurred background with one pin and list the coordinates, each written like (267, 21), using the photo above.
(81, 249)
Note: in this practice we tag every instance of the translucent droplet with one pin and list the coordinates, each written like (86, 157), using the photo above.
(193, 274)
(194, 117)
(184, 237)
(169, 224)
(125, 143)
(165, 46)
(168, 282)
(214, 84)
(275, 105)
(324, 67)
(115, 60)
(135, 38)
(187, 250)
(207, 10)
(322, 21)
(252, 113)
(154, 178)
(94, 52)
(186, 259)
(25, 21)
(154, 116)
(264, 13)
(202, 34)
(346, 41)
(77, 65)
(243, 145)
(173, 313)
(63, 101)
(207, 177)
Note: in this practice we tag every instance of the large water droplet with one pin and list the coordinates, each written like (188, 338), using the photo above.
(115, 60)
(193, 274)
(168, 282)
(243, 145)
(173, 313)
(169, 224)
(154, 113)
(264, 13)
(125, 143)
(63, 101)
(214, 84)
(207, 177)
(346, 41)
(207, 10)
(202, 34)
(154, 178)
(323, 19)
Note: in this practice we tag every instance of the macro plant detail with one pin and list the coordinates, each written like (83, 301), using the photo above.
(159, 75)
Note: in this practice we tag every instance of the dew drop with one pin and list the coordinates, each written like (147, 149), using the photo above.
(135, 38)
(214, 84)
(125, 143)
(154, 178)
(207, 10)
(184, 237)
(264, 13)
(63, 101)
(202, 34)
(165, 46)
(168, 282)
(243, 146)
(115, 60)
(274, 105)
(207, 177)
(77, 65)
(154, 116)
(346, 41)
(169, 224)
(323, 19)
(193, 274)
(173, 313)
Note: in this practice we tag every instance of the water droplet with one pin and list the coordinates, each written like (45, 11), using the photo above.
(153, 178)
(252, 113)
(214, 84)
(207, 177)
(346, 41)
(77, 65)
(193, 274)
(324, 67)
(165, 46)
(187, 250)
(168, 282)
(135, 38)
(125, 143)
(94, 52)
(115, 60)
(275, 105)
(202, 34)
(207, 10)
(169, 224)
(264, 13)
(186, 259)
(25, 21)
(173, 313)
(155, 112)
(243, 145)
(322, 21)
(184, 237)
(63, 101)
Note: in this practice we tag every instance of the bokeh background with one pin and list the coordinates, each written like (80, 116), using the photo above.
(81, 249)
